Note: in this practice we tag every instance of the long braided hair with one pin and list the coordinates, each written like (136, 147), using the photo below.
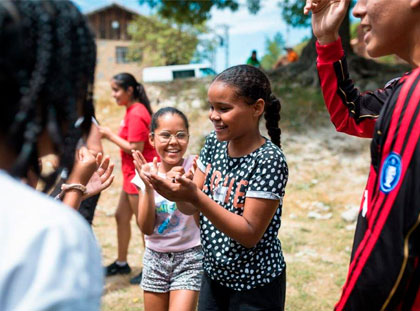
(125, 80)
(47, 62)
(252, 84)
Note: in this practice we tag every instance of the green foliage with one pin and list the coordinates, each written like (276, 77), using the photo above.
(292, 13)
(162, 42)
(194, 12)
(273, 50)
(300, 106)
(353, 30)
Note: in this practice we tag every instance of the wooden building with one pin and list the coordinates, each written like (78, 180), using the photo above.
(110, 25)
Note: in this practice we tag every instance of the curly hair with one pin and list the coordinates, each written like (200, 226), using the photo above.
(47, 63)
(252, 84)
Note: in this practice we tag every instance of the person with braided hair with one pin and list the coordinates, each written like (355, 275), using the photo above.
(237, 192)
(49, 257)
(133, 135)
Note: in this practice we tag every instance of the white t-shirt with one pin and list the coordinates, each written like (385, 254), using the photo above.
(49, 258)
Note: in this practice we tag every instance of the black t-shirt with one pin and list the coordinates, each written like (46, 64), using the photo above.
(229, 181)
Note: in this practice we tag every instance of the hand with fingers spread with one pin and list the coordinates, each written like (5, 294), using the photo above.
(179, 189)
(84, 166)
(327, 16)
(191, 171)
(144, 169)
(101, 178)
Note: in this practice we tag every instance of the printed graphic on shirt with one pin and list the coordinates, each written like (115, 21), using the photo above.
(391, 172)
(229, 181)
(167, 218)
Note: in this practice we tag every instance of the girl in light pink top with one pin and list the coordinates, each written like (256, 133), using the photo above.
(172, 263)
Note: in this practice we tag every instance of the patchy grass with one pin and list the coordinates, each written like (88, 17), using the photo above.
(327, 172)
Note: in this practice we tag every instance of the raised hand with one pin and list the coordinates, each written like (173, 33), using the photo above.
(143, 168)
(84, 166)
(105, 131)
(191, 171)
(101, 178)
(327, 16)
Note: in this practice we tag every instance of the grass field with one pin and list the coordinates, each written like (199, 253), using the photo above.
(327, 173)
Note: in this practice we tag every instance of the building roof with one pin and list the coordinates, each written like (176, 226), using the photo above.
(111, 5)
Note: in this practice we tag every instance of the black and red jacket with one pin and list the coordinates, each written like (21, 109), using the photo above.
(384, 272)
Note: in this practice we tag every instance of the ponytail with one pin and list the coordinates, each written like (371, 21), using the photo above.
(125, 80)
(272, 118)
(140, 94)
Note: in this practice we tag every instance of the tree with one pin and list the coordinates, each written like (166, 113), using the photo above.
(273, 49)
(195, 12)
(292, 12)
(159, 42)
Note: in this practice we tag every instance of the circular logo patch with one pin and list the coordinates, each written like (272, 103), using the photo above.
(391, 172)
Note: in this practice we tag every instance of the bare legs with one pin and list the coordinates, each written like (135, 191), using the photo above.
(172, 301)
(127, 206)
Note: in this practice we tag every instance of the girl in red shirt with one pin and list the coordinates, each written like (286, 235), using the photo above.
(132, 135)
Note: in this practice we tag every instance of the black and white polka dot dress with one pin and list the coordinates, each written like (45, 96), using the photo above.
(229, 181)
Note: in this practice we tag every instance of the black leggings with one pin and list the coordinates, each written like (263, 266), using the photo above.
(215, 297)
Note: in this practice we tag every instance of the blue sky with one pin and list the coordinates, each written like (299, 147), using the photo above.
(246, 31)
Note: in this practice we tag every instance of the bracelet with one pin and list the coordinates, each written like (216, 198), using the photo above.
(67, 187)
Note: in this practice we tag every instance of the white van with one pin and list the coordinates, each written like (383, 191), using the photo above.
(170, 73)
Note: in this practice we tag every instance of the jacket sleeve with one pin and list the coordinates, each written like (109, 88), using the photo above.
(351, 111)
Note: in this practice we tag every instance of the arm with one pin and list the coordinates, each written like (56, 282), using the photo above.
(93, 141)
(125, 145)
(247, 229)
(84, 166)
(146, 215)
(351, 112)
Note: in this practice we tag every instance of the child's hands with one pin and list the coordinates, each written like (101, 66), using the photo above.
(101, 178)
(179, 171)
(105, 131)
(327, 16)
(191, 171)
(143, 168)
(177, 189)
(175, 172)
(85, 165)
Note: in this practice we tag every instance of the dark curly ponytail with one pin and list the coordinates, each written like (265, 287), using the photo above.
(252, 84)
(272, 119)
(47, 62)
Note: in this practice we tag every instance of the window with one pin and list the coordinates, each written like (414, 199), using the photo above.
(179, 74)
(121, 53)
(205, 72)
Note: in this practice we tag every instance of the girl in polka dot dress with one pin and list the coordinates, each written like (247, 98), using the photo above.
(237, 191)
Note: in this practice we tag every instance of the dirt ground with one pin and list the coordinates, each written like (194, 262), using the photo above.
(327, 173)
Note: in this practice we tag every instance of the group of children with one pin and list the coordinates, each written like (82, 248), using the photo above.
(211, 223)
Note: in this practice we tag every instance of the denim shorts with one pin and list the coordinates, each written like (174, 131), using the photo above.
(164, 272)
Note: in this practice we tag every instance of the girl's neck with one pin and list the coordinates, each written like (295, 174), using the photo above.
(166, 167)
(130, 103)
(244, 145)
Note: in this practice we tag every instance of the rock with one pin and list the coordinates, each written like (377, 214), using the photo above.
(318, 216)
(350, 215)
